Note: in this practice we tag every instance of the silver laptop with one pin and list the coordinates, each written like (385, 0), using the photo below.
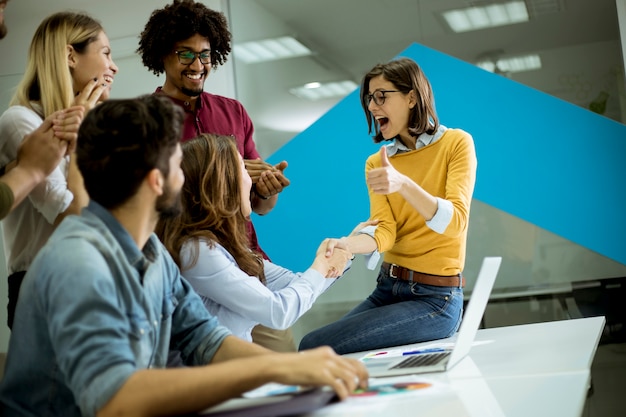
(442, 361)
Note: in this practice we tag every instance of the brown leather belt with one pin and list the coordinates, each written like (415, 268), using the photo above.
(405, 274)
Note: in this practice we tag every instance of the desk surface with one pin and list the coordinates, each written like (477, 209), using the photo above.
(560, 395)
(540, 369)
(537, 349)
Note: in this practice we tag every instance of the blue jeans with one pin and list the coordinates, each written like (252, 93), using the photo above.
(396, 313)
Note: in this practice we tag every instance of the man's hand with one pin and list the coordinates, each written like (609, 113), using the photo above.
(256, 167)
(268, 179)
(321, 366)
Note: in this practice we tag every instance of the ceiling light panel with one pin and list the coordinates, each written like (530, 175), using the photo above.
(270, 50)
(475, 18)
(520, 63)
(319, 91)
(512, 64)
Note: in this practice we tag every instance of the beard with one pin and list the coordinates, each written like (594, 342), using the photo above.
(3, 30)
(191, 93)
(169, 204)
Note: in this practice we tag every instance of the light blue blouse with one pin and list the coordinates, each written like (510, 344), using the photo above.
(240, 301)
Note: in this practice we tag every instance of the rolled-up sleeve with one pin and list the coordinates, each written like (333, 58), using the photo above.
(89, 332)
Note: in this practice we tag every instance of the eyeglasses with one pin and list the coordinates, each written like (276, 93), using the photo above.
(187, 57)
(379, 96)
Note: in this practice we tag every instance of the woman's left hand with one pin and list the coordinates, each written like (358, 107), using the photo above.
(90, 95)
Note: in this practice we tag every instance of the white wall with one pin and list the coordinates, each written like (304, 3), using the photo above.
(123, 21)
(249, 22)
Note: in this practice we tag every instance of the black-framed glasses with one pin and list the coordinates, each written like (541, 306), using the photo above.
(379, 96)
(187, 57)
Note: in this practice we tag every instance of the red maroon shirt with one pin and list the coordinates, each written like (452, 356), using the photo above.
(222, 116)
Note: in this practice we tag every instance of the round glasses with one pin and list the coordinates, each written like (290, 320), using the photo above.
(187, 57)
(379, 96)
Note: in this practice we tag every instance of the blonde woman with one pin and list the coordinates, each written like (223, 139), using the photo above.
(69, 64)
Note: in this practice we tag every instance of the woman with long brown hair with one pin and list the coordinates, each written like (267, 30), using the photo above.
(209, 243)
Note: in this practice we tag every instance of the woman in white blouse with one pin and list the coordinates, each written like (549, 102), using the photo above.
(208, 241)
(69, 64)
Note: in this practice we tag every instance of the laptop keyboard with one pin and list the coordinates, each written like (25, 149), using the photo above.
(421, 360)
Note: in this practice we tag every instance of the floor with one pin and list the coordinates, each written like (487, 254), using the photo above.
(608, 379)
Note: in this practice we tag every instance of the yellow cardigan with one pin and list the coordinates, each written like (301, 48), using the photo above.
(445, 169)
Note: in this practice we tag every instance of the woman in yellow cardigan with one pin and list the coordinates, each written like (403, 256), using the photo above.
(420, 189)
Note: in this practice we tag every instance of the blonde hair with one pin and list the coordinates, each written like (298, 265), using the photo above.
(48, 77)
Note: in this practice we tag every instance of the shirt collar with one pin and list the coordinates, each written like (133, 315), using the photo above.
(396, 146)
(182, 103)
(140, 259)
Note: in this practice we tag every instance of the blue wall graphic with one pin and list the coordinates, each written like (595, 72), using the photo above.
(544, 160)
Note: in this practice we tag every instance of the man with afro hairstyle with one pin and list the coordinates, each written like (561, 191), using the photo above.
(186, 40)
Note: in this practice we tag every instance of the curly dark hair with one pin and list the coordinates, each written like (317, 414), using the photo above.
(179, 21)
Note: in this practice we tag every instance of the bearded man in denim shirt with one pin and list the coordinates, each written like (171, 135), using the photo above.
(103, 301)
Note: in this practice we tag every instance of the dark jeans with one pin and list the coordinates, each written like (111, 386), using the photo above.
(396, 313)
(15, 282)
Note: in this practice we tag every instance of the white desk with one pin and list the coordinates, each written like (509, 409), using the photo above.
(540, 369)
(537, 349)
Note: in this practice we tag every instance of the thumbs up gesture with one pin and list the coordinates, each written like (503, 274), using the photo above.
(385, 180)
(384, 160)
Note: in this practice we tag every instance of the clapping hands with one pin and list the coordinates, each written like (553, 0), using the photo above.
(268, 179)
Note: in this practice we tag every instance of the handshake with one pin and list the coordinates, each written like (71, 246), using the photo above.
(330, 260)
(333, 254)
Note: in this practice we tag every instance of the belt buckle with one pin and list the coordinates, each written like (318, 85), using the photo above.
(391, 268)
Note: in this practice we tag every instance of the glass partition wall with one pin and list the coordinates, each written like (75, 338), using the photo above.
(543, 276)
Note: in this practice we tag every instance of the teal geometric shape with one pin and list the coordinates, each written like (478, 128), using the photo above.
(327, 196)
(542, 159)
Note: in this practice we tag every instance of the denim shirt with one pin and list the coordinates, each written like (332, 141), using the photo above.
(94, 309)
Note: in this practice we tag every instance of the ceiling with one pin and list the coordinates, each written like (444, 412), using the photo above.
(349, 36)
(352, 32)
